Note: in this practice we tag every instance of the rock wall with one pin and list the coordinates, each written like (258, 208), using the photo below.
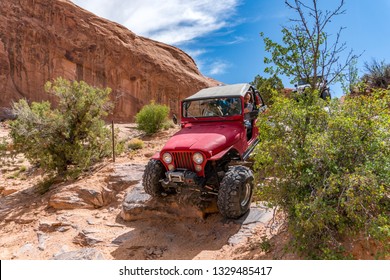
(41, 40)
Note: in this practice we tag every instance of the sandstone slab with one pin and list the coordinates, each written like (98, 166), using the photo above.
(91, 192)
(139, 205)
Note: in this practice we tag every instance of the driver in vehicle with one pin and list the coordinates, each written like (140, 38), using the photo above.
(248, 107)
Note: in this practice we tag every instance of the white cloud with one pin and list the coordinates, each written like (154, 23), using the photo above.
(168, 21)
(237, 40)
(218, 67)
(195, 53)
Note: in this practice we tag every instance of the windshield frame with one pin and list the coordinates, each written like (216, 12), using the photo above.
(212, 108)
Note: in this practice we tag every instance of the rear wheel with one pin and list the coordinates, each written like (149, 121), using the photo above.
(154, 172)
(235, 192)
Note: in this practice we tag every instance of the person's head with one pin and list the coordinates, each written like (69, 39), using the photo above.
(247, 97)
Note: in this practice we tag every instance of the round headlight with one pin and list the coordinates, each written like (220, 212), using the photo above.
(167, 158)
(198, 158)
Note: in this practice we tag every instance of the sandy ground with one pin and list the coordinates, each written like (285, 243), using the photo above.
(32, 229)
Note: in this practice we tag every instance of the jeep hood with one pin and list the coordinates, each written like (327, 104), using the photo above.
(210, 138)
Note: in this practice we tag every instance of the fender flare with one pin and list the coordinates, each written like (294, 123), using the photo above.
(224, 152)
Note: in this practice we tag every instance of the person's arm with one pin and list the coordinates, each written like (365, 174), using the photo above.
(248, 108)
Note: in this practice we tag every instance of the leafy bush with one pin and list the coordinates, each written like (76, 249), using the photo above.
(67, 139)
(152, 117)
(328, 168)
(268, 87)
(135, 144)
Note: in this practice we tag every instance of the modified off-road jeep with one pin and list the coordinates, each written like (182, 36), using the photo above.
(210, 152)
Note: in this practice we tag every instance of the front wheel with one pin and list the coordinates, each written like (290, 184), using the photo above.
(235, 192)
(154, 172)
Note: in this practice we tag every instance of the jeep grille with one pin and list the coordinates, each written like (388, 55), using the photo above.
(183, 160)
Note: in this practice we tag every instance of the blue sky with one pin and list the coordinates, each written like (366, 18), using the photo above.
(223, 36)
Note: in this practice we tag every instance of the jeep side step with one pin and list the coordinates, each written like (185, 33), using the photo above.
(250, 150)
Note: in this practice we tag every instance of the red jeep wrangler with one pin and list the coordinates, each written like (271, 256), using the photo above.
(208, 154)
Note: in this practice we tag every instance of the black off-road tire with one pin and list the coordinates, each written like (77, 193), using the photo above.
(154, 172)
(235, 192)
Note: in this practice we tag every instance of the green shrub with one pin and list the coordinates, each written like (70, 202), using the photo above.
(70, 138)
(152, 117)
(23, 168)
(328, 168)
(135, 144)
(120, 146)
(44, 185)
(268, 87)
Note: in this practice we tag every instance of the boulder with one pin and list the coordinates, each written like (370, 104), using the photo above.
(91, 192)
(138, 205)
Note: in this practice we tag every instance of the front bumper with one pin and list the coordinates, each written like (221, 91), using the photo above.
(184, 179)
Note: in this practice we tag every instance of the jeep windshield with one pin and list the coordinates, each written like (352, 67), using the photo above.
(212, 107)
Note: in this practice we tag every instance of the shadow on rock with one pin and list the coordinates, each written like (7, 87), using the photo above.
(173, 238)
(20, 206)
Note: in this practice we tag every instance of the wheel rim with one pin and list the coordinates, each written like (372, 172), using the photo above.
(246, 194)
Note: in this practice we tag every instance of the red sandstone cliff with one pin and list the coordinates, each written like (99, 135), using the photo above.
(43, 39)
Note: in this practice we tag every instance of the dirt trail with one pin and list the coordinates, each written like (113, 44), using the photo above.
(33, 226)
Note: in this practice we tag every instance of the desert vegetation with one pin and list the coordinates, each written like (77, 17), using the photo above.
(327, 167)
(68, 139)
(326, 164)
(152, 118)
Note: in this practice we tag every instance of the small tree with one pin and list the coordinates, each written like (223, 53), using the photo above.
(152, 117)
(69, 138)
(328, 169)
(308, 51)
